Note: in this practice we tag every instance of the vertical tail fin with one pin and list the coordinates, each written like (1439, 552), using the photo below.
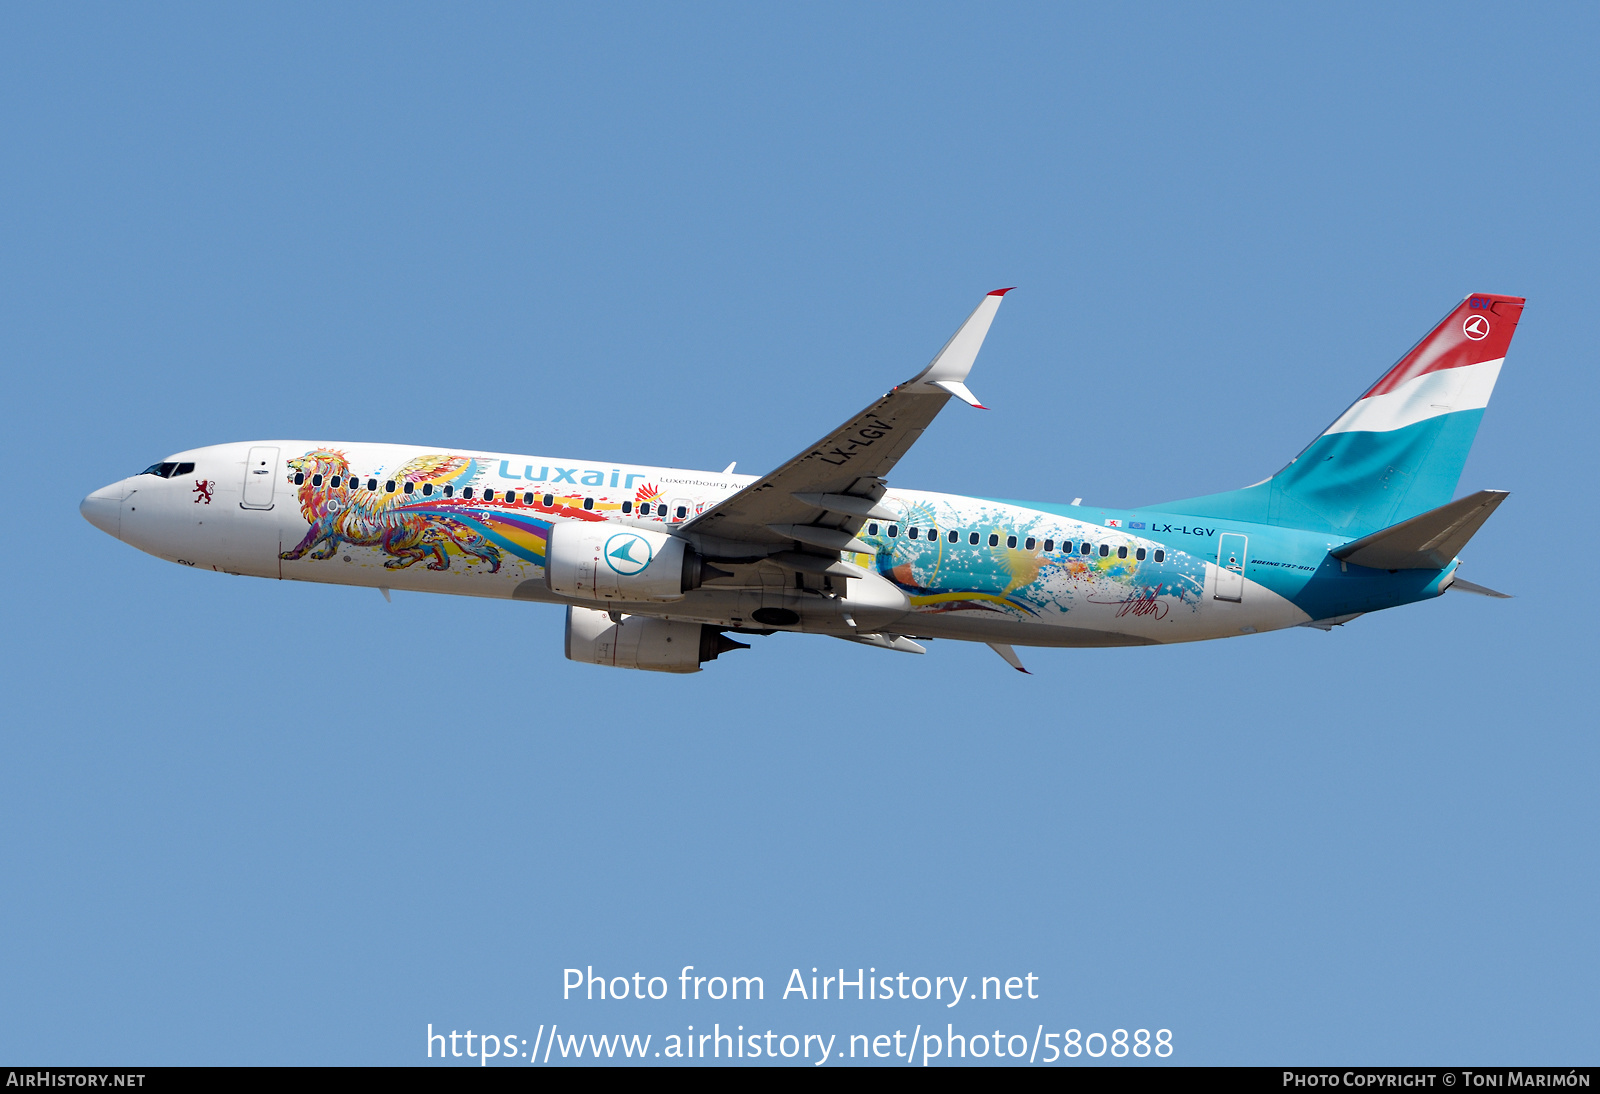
(1399, 450)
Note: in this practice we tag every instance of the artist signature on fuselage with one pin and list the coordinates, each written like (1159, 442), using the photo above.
(1143, 604)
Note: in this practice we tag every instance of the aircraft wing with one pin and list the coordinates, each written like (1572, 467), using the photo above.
(821, 498)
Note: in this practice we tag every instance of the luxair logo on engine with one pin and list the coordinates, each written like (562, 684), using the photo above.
(627, 553)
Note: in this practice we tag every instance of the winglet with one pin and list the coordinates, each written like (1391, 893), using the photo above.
(1009, 655)
(959, 390)
(947, 372)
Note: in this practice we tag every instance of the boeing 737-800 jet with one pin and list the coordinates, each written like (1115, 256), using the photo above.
(656, 566)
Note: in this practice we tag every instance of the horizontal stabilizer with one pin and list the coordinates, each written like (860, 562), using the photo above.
(1425, 542)
(1478, 590)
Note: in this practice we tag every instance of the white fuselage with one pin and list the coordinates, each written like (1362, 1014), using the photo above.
(962, 568)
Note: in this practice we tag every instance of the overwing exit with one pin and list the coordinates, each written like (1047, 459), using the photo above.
(658, 567)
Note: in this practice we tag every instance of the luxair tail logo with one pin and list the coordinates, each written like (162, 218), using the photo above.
(627, 553)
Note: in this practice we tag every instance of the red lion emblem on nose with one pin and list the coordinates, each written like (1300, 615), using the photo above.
(202, 489)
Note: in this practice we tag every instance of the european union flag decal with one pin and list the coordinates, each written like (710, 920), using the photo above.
(1136, 524)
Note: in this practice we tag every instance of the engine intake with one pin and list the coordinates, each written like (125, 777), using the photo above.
(640, 642)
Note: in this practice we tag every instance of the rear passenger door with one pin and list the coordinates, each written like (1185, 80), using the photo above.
(1231, 548)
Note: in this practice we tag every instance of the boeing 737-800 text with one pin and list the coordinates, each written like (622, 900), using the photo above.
(656, 566)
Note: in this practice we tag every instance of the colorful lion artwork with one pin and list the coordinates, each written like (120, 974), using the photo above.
(421, 512)
(341, 510)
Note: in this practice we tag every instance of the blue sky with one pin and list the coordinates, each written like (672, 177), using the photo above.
(261, 823)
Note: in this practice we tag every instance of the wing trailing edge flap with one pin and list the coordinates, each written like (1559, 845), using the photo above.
(821, 498)
(1425, 542)
(897, 642)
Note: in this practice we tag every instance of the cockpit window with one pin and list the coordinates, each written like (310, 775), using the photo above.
(167, 470)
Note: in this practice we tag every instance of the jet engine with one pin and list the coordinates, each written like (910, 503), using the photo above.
(640, 642)
(605, 562)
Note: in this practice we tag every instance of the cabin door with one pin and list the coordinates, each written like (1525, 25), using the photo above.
(1230, 566)
(260, 474)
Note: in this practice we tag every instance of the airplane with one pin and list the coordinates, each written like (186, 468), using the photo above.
(658, 566)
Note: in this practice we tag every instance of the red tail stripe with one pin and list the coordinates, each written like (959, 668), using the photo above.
(1477, 331)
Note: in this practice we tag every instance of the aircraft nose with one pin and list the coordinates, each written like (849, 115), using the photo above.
(103, 509)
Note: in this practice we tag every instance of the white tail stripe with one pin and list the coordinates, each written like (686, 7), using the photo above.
(1426, 396)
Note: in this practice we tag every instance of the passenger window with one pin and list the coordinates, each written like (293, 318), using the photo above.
(894, 530)
(427, 489)
(1029, 543)
(316, 480)
(334, 482)
(450, 491)
(184, 469)
(372, 484)
(683, 510)
(1161, 556)
(627, 507)
(299, 478)
(549, 500)
(1049, 545)
(1086, 548)
(588, 503)
(955, 537)
(933, 534)
(389, 486)
(1122, 552)
(410, 486)
(912, 532)
(972, 538)
(467, 493)
(1011, 542)
(488, 495)
(872, 529)
(1139, 555)
(994, 540)
(1105, 549)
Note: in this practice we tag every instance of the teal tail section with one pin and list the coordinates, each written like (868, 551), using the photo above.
(1399, 450)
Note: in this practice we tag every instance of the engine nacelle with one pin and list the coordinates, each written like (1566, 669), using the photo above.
(605, 562)
(640, 642)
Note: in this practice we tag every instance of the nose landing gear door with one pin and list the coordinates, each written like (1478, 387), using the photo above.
(260, 476)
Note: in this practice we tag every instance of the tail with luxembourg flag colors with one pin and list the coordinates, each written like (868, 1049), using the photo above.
(1399, 450)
